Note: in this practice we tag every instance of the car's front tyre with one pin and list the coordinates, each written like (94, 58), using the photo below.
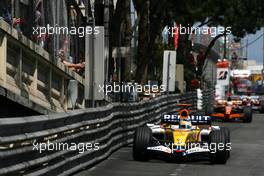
(218, 155)
(142, 139)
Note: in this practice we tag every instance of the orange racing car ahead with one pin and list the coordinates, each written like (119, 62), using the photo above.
(228, 110)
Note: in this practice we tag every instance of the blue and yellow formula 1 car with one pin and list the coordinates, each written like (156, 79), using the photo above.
(182, 136)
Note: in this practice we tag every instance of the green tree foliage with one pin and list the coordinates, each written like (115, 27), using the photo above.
(242, 16)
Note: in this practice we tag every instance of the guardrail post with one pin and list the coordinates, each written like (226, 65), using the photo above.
(50, 84)
(62, 95)
(19, 68)
(3, 58)
(35, 77)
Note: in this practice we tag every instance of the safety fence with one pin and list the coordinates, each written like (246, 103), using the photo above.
(25, 142)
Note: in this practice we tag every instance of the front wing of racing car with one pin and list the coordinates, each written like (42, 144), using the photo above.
(176, 151)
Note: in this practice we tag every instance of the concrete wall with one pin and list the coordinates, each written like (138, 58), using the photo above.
(27, 70)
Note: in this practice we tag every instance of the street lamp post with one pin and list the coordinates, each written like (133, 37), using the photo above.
(90, 60)
(93, 63)
(263, 61)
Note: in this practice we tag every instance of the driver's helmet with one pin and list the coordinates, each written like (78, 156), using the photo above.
(185, 124)
(229, 98)
(229, 101)
(248, 98)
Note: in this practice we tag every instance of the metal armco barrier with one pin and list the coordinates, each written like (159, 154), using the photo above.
(111, 127)
(208, 97)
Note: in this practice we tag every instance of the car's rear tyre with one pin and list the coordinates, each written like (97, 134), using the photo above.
(142, 139)
(262, 106)
(218, 155)
(247, 115)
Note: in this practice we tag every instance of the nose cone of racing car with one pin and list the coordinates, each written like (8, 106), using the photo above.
(180, 137)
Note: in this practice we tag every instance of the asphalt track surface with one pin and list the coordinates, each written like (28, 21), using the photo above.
(247, 158)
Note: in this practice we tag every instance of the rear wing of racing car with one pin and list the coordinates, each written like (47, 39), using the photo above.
(195, 119)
